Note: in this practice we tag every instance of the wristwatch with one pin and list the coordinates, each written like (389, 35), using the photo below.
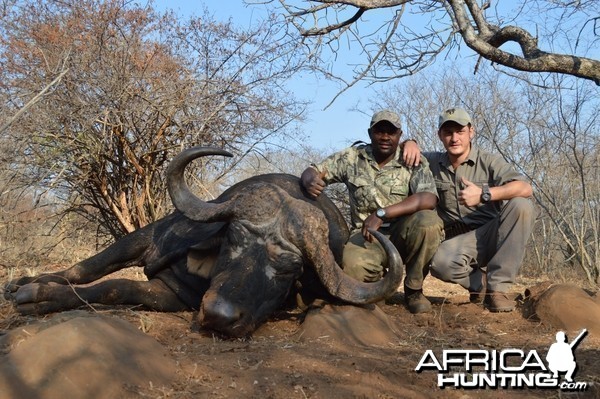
(380, 213)
(486, 195)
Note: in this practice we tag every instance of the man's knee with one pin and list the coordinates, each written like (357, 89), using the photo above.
(363, 261)
(361, 272)
(425, 226)
(448, 262)
(440, 270)
(361, 266)
(426, 219)
(523, 208)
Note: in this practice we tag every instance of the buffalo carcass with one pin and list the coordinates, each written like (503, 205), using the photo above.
(237, 258)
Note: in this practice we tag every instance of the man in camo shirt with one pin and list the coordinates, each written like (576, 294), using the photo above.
(388, 196)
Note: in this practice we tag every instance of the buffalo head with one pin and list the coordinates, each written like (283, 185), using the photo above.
(272, 232)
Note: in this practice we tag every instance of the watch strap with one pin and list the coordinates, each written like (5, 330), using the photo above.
(486, 195)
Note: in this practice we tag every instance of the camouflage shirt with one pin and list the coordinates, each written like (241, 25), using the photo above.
(371, 187)
(480, 167)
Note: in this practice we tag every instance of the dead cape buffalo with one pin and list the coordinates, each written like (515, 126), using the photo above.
(237, 258)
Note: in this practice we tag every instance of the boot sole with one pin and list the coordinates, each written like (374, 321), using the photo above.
(420, 310)
(501, 310)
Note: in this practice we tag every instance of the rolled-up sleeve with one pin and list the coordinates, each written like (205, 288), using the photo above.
(335, 166)
(422, 180)
(501, 171)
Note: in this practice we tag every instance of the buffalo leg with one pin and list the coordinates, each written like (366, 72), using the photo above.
(47, 298)
(126, 252)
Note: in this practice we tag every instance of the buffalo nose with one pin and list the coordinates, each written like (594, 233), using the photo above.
(219, 314)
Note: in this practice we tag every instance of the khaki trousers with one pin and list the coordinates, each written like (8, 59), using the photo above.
(416, 236)
(499, 244)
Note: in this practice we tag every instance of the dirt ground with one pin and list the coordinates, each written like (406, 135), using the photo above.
(277, 362)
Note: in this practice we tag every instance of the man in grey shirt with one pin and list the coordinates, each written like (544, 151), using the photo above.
(487, 212)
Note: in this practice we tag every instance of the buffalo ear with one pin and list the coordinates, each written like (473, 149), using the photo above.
(202, 256)
(200, 262)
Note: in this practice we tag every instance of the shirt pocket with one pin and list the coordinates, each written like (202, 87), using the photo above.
(392, 195)
(446, 194)
(401, 189)
(359, 181)
(362, 190)
(398, 193)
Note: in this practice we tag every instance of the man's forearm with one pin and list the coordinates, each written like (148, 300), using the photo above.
(412, 204)
(510, 190)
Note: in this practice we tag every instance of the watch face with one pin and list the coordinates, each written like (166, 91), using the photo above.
(486, 196)
(380, 213)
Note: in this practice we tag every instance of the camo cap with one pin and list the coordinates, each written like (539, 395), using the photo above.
(457, 115)
(386, 115)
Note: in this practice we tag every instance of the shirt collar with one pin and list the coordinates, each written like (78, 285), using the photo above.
(366, 152)
(473, 154)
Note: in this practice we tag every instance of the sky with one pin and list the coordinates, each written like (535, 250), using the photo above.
(333, 128)
(328, 127)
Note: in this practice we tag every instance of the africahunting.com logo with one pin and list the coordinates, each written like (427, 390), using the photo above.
(507, 368)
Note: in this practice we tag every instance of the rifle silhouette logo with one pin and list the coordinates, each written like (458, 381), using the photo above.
(560, 356)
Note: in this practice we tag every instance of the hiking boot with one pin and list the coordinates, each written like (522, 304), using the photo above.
(394, 299)
(497, 301)
(416, 301)
(478, 296)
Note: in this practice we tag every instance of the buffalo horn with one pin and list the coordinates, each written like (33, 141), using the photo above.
(184, 200)
(342, 286)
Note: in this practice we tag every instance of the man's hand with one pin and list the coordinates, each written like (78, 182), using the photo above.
(411, 155)
(313, 182)
(470, 195)
(371, 222)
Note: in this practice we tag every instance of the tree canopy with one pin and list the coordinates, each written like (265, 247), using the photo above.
(112, 90)
(387, 39)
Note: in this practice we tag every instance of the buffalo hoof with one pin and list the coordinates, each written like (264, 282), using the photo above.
(27, 293)
(37, 299)
(13, 286)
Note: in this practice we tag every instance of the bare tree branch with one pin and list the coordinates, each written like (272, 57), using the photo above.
(31, 102)
(487, 43)
(449, 20)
